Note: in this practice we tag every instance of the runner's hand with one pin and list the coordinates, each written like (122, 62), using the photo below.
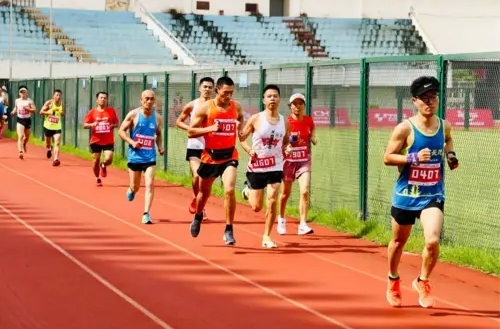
(215, 128)
(136, 145)
(288, 150)
(424, 155)
(161, 151)
(451, 157)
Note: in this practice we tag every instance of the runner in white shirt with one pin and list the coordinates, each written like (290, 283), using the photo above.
(195, 145)
(270, 136)
(23, 107)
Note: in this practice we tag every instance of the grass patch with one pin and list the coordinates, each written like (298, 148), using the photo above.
(342, 219)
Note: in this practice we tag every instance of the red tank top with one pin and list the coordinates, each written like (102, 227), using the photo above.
(300, 133)
(225, 138)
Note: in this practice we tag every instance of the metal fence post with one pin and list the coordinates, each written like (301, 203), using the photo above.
(363, 139)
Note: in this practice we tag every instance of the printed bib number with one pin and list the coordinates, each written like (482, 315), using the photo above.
(226, 128)
(24, 111)
(102, 127)
(425, 174)
(147, 142)
(53, 119)
(262, 163)
(299, 153)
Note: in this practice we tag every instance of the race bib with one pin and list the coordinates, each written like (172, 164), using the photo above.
(53, 119)
(227, 127)
(147, 142)
(102, 127)
(24, 111)
(425, 174)
(262, 163)
(300, 153)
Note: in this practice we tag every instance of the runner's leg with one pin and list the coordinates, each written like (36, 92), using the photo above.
(57, 143)
(400, 234)
(201, 200)
(48, 142)
(304, 185)
(229, 182)
(20, 138)
(271, 207)
(149, 181)
(134, 183)
(108, 159)
(432, 221)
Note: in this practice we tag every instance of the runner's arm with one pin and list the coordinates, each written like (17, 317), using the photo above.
(449, 147)
(200, 116)
(88, 122)
(286, 138)
(126, 124)
(313, 134)
(14, 110)
(115, 122)
(396, 144)
(32, 107)
(245, 132)
(45, 108)
(241, 121)
(159, 133)
(186, 112)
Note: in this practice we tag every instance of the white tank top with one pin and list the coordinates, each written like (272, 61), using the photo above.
(23, 108)
(267, 142)
(197, 143)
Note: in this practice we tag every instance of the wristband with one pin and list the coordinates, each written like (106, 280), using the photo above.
(412, 158)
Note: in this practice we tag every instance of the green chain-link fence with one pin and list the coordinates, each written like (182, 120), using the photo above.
(355, 104)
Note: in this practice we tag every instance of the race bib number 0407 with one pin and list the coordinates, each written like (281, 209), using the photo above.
(425, 174)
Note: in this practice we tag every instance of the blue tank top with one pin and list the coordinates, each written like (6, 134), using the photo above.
(145, 132)
(418, 185)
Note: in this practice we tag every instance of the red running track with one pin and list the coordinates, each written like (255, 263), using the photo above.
(74, 255)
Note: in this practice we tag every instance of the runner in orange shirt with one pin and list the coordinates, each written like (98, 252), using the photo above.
(102, 120)
(297, 165)
(219, 121)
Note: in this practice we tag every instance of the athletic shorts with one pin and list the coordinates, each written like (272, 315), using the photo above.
(96, 148)
(408, 217)
(140, 166)
(193, 153)
(51, 133)
(293, 170)
(26, 122)
(206, 170)
(260, 180)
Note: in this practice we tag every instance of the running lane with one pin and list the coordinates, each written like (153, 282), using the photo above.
(324, 281)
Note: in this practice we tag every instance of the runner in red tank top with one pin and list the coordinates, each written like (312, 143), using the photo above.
(219, 121)
(297, 165)
(102, 121)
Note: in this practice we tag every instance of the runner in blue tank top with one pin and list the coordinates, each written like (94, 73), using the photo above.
(418, 146)
(145, 131)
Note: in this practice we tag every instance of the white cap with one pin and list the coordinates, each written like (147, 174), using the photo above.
(23, 89)
(296, 96)
(4, 88)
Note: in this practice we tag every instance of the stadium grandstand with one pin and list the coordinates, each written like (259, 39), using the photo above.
(122, 37)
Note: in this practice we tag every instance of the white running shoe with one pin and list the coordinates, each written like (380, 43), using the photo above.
(281, 227)
(305, 229)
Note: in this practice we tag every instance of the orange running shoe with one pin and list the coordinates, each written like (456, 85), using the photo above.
(423, 288)
(393, 294)
(192, 206)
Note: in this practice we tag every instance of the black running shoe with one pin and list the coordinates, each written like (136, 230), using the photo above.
(195, 227)
(229, 238)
